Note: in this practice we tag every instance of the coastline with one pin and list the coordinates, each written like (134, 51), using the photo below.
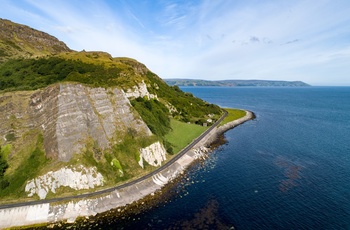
(52, 212)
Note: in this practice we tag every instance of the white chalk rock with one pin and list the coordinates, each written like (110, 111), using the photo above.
(154, 154)
(76, 178)
(140, 90)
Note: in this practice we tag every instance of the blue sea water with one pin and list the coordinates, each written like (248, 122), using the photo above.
(287, 169)
(290, 167)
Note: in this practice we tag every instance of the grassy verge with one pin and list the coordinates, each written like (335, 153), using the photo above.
(182, 134)
(233, 114)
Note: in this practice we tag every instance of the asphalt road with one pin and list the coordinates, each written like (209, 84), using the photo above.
(108, 190)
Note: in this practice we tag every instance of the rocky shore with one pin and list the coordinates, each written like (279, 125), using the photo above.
(118, 199)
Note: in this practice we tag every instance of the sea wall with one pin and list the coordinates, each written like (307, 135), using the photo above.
(70, 210)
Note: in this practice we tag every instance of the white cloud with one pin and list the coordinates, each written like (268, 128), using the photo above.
(291, 40)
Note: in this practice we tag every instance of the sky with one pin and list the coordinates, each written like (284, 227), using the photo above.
(205, 39)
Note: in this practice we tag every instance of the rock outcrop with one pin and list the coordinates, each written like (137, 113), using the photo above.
(69, 115)
(154, 154)
(140, 90)
(76, 178)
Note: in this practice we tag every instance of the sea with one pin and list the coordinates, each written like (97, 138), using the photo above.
(289, 168)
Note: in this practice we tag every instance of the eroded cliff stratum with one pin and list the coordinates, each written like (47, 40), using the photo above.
(68, 115)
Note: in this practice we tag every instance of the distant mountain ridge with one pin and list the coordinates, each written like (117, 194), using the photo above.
(235, 83)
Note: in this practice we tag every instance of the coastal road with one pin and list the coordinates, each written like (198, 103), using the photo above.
(108, 190)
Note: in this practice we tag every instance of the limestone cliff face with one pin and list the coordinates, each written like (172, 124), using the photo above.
(140, 90)
(154, 154)
(69, 115)
(76, 178)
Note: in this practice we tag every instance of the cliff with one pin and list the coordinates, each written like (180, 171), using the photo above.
(69, 116)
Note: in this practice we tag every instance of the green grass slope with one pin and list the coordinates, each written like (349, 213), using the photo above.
(183, 134)
(20, 41)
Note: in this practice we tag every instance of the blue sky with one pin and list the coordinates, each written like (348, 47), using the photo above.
(213, 39)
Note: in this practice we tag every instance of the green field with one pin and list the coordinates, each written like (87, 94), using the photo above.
(182, 134)
(233, 114)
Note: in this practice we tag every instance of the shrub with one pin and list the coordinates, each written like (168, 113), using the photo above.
(3, 164)
(155, 115)
(10, 137)
(4, 184)
(168, 147)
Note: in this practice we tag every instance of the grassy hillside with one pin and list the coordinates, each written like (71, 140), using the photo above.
(18, 41)
(98, 69)
(167, 118)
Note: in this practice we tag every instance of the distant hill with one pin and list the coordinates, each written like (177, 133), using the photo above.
(21, 41)
(234, 83)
